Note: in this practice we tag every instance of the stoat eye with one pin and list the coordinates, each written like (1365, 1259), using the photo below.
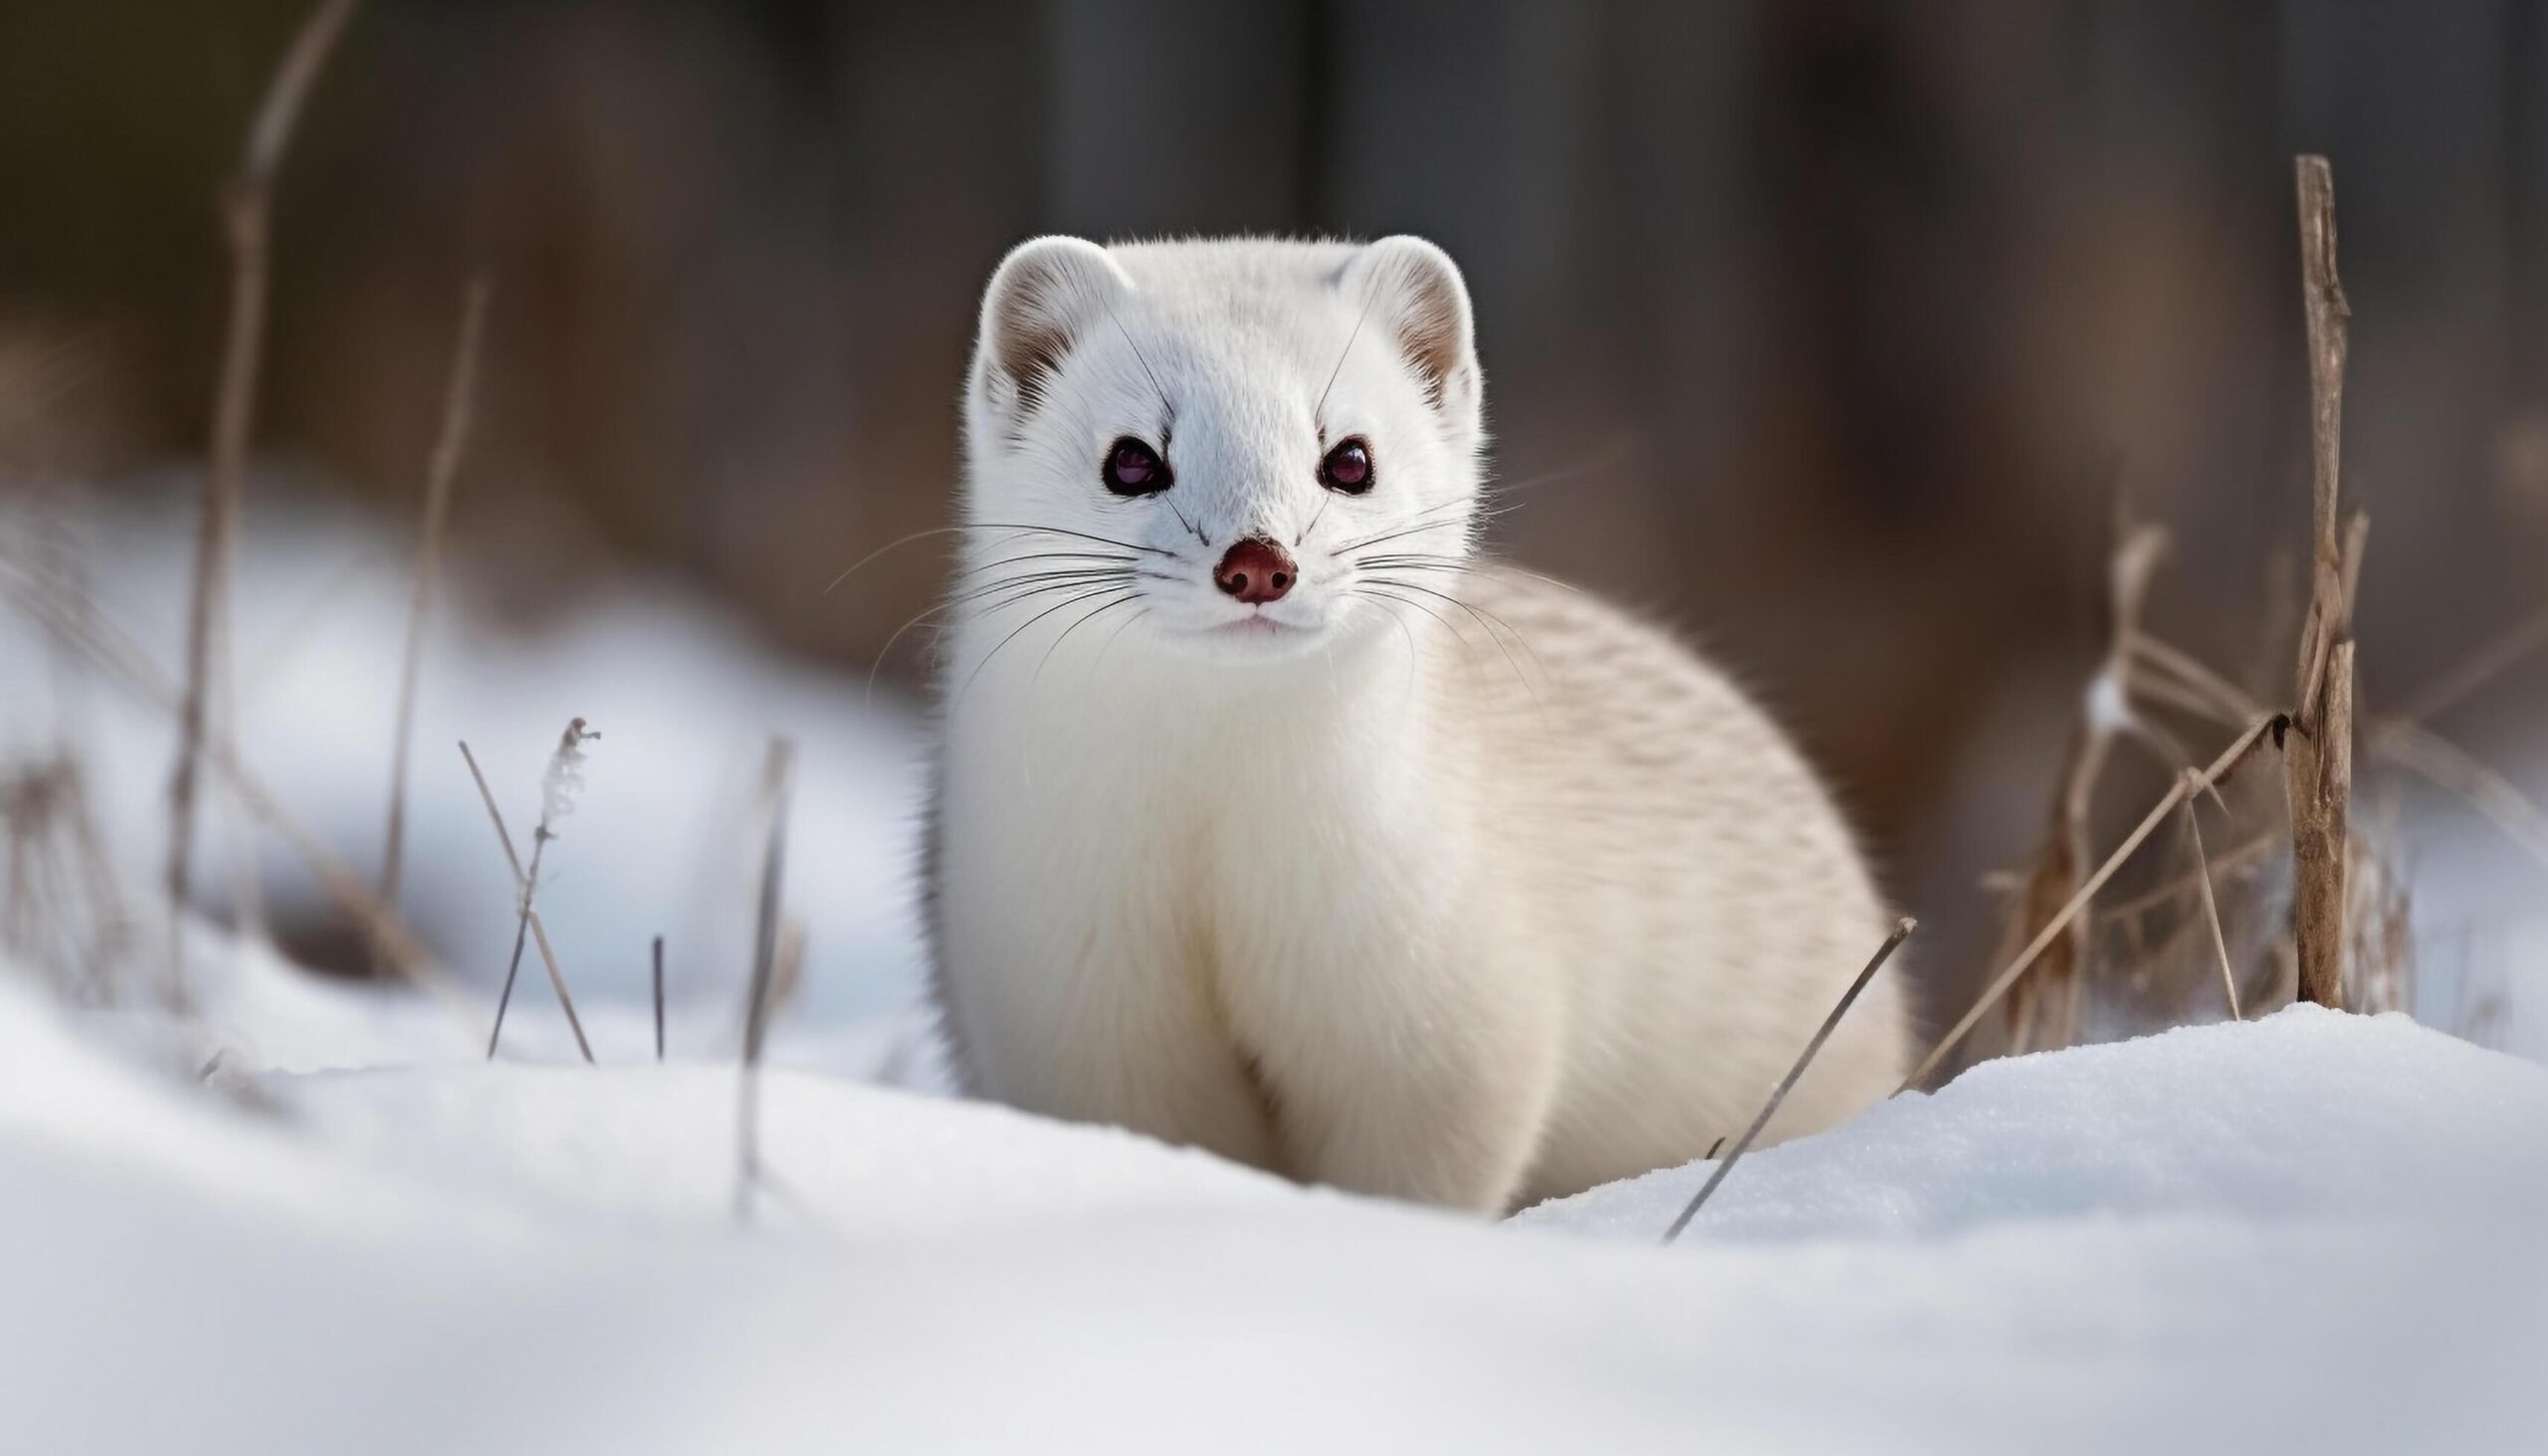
(1134, 469)
(1348, 468)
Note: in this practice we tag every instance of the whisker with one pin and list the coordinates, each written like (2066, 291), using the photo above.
(1413, 655)
(1610, 457)
(1030, 592)
(1487, 622)
(1511, 631)
(1163, 401)
(1314, 518)
(1370, 296)
(1001, 594)
(895, 544)
(1109, 644)
(1082, 620)
(1048, 556)
(1450, 629)
(1418, 523)
(1391, 536)
(1428, 611)
(1470, 566)
(1028, 578)
(1103, 541)
(1026, 595)
(1084, 594)
(1009, 526)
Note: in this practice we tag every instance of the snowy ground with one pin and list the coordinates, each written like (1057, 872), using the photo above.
(2312, 1233)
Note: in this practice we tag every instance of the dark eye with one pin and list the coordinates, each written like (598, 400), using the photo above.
(1134, 469)
(1348, 468)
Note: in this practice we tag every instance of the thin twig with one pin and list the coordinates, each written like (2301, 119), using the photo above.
(526, 881)
(2211, 907)
(2229, 759)
(494, 815)
(246, 215)
(458, 407)
(776, 774)
(523, 912)
(1901, 932)
(659, 999)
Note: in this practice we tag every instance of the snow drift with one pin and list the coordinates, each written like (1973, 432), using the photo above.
(2311, 1233)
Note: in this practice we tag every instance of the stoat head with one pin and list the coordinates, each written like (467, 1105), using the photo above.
(1242, 449)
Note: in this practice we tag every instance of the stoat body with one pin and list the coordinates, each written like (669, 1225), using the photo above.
(1270, 818)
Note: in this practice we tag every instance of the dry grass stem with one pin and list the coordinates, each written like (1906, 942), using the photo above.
(62, 911)
(457, 408)
(2212, 906)
(2167, 691)
(245, 219)
(1902, 930)
(2017, 966)
(2247, 856)
(768, 970)
(526, 888)
(2498, 657)
(2457, 771)
(2217, 694)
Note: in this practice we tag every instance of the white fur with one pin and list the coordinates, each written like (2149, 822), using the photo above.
(1467, 889)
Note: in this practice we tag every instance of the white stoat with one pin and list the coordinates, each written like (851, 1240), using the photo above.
(1269, 819)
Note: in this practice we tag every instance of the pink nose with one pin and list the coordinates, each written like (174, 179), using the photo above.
(1256, 571)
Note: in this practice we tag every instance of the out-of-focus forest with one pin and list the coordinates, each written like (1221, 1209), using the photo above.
(1828, 329)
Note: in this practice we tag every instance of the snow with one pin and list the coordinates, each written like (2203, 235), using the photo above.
(2164, 1126)
(2308, 1233)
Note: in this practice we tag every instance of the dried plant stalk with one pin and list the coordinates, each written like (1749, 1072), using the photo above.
(2456, 772)
(774, 959)
(2491, 661)
(2383, 954)
(122, 658)
(1902, 930)
(2177, 793)
(2045, 1005)
(556, 784)
(457, 408)
(246, 220)
(2318, 752)
(2212, 906)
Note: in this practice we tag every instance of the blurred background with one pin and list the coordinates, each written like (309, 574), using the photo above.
(1828, 329)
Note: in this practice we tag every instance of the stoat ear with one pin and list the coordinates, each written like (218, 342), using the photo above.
(1414, 290)
(1041, 300)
